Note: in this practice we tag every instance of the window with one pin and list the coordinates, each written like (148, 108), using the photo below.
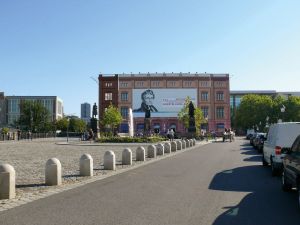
(108, 84)
(204, 96)
(155, 83)
(171, 83)
(188, 83)
(108, 96)
(220, 112)
(220, 126)
(14, 106)
(124, 112)
(220, 96)
(124, 96)
(124, 84)
(204, 109)
(204, 84)
(124, 128)
(140, 83)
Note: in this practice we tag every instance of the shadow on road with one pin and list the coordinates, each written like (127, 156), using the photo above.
(267, 204)
(256, 158)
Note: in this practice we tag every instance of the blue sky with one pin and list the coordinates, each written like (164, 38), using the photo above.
(54, 47)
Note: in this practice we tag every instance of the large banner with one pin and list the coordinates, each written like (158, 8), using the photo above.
(161, 102)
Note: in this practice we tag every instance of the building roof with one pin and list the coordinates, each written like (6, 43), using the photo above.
(244, 92)
(167, 75)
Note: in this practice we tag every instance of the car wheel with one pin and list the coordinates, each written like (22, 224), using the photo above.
(286, 186)
(273, 169)
(264, 162)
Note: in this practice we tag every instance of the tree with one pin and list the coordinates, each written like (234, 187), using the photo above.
(112, 117)
(184, 117)
(292, 109)
(62, 124)
(253, 111)
(77, 125)
(34, 117)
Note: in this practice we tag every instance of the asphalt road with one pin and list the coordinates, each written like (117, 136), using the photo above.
(220, 183)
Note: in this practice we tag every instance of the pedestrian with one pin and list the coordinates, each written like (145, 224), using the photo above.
(172, 134)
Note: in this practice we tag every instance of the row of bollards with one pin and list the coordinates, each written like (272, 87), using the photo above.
(53, 174)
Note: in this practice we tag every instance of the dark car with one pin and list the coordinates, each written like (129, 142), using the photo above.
(252, 138)
(291, 168)
(258, 141)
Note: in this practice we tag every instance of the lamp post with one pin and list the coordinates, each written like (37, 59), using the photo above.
(68, 129)
(282, 109)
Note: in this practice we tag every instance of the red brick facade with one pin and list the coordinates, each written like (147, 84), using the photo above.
(212, 94)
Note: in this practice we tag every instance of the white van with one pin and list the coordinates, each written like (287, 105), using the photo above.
(280, 138)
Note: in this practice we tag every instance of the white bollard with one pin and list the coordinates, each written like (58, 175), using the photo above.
(194, 141)
(151, 151)
(187, 143)
(109, 160)
(86, 165)
(167, 147)
(127, 156)
(140, 154)
(183, 144)
(179, 145)
(53, 172)
(160, 149)
(7, 182)
(173, 146)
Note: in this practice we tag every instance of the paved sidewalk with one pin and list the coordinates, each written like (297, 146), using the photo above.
(29, 158)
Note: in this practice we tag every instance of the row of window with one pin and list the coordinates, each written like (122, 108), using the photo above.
(170, 84)
(14, 105)
(204, 96)
(219, 112)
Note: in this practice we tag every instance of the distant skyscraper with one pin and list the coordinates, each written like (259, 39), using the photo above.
(86, 112)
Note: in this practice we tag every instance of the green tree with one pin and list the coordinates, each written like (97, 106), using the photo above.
(77, 125)
(111, 117)
(34, 116)
(292, 109)
(4, 130)
(184, 117)
(62, 124)
(253, 111)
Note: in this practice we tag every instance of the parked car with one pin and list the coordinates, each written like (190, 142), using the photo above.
(258, 142)
(252, 138)
(280, 138)
(291, 168)
(250, 133)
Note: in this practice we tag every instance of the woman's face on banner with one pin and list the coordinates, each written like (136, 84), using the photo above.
(148, 98)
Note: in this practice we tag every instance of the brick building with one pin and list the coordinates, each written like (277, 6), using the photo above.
(166, 93)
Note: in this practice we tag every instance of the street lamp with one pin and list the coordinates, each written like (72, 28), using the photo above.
(282, 109)
(68, 130)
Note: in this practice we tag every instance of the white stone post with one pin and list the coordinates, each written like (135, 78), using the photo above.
(53, 172)
(194, 141)
(167, 147)
(86, 165)
(109, 160)
(183, 144)
(160, 149)
(127, 156)
(173, 146)
(187, 143)
(179, 145)
(140, 154)
(151, 151)
(7, 182)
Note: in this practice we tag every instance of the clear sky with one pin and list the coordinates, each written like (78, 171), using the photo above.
(53, 47)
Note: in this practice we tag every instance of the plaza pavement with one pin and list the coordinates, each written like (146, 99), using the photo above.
(29, 159)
